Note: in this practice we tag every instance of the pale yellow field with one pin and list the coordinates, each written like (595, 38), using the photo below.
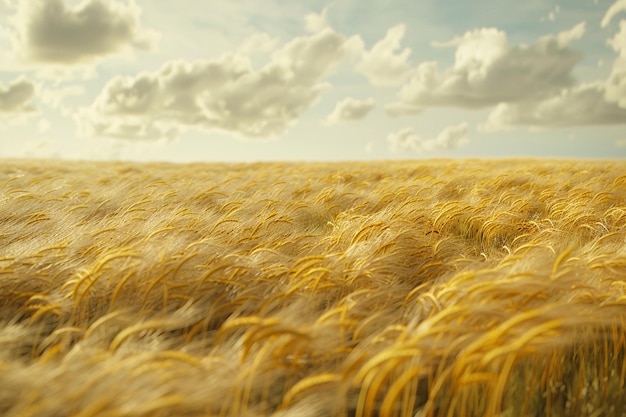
(424, 288)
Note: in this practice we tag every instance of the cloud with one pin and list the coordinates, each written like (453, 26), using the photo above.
(350, 109)
(617, 7)
(225, 94)
(383, 64)
(616, 83)
(451, 137)
(598, 103)
(316, 22)
(615, 90)
(17, 97)
(488, 71)
(581, 105)
(618, 42)
(47, 31)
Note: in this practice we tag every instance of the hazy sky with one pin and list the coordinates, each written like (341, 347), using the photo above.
(242, 80)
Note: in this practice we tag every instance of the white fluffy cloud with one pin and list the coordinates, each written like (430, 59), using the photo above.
(616, 84)
(316, 22)
(617, 7)
(581, 105)
(17, 97)
(451, 137)
(488, 71)
(225, 94)
(48, 31)
(350, 109)
(598, 103)
(384, 64)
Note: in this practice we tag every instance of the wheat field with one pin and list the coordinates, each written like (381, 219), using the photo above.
(406, 288)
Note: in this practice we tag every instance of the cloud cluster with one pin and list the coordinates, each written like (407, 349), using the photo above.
(17, 97)
(598, 103)
(488, 71)
(524, 85)
(225, 94)
(228, 94)
(47, 31)
(451, 137)
(350, 109)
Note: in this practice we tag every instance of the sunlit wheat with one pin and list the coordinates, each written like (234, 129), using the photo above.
(406, 288)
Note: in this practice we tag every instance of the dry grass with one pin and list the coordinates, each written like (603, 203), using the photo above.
(431, 288)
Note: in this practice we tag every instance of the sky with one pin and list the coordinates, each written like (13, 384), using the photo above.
(250, 80)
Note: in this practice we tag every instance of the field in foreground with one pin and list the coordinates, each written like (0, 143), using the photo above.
(427, 288)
